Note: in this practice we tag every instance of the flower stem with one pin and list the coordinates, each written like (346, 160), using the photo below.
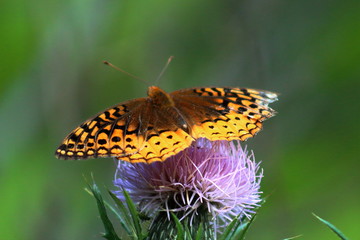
(193, 224)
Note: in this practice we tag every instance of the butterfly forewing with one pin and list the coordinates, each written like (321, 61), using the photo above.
(136, 131)
(106, 134)
(224, 113)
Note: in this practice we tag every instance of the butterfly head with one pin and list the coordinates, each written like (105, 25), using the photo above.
(159, 97)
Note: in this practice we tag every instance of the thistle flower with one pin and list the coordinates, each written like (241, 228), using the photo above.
(209, 181)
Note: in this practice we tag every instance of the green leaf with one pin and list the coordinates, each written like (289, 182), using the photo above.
(123, 214)
(180, 235)
(238, 224)
(228, 230)
(134, 215)
(120, 215)
(332, 227)
(188, 234)
(199, 233)
(240, 231)
(237, 229)
(110, 233)
(294, 237)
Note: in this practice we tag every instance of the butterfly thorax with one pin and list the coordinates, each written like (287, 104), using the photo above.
(159, 97)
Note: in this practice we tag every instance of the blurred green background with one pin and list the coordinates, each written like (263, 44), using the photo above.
(52, 78)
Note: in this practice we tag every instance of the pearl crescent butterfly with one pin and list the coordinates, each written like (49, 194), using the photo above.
(161, 125)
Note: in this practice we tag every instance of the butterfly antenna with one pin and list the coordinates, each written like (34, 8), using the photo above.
(123, 71)
(164, 69)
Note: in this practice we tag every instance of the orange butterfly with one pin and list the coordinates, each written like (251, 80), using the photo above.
(162, 124)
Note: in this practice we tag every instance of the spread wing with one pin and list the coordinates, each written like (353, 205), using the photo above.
(135, 131)
(142, 130)
(224, 113)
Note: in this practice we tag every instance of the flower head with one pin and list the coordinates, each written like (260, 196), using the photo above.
(219, 178)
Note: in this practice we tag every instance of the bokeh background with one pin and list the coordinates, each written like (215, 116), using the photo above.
(52, 78)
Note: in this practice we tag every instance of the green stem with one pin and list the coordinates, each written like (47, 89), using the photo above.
(164, 228)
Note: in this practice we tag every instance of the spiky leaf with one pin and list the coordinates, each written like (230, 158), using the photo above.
(332, 227)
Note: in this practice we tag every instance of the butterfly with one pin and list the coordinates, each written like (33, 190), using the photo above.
(156, 127)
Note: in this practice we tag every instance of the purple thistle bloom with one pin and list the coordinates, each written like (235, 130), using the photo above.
(218, 177)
